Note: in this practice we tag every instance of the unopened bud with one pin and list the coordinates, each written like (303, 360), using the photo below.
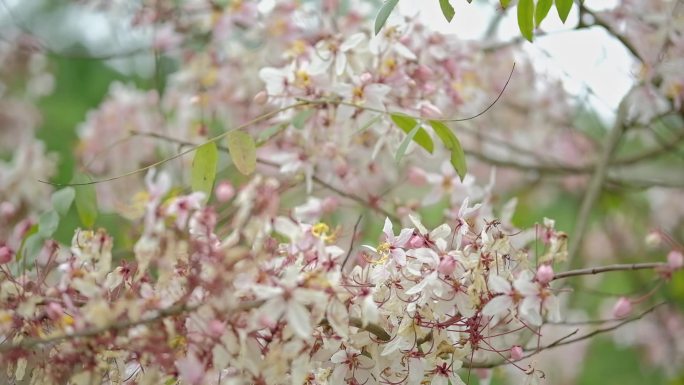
(429, 110)
(622, 308)
(447, 265)
(654, 239)
(216, 328)
(330, 204)
(54, 311)
(516, 353)
(675, 260)
(416, 242)
(416, 176)
(7, 210)
(261, 97)
(545, 273)
(224, 192)
(5, 254)
(366, 78)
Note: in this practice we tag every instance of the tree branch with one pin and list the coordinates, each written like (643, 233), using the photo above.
(611, 142)
(603, 269)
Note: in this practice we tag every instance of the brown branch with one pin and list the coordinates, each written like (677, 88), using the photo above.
(603, 24)
(610, 144)
(116, 326)
(603, 269)
(565, 340)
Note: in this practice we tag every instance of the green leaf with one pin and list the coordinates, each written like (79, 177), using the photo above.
(242, 151)
(62, 200)
(270, 132)
(301, 118)
(452, 143)
(48, 223)
(32, 230)
(407, 123)
(86, 200)
(505, 3)
(526, 18)
(34, 243)
(384, 13)
(447, 10)
(541, 10)
(563, 7)
(204, 166)
(404, 144)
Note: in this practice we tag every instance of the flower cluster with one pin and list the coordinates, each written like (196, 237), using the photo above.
(416, 307)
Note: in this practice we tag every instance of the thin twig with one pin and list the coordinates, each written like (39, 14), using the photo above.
(566, 340)
(603, 269)
(351, 245)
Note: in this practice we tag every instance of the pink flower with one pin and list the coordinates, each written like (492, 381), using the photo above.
(545, 274)
(622, 308)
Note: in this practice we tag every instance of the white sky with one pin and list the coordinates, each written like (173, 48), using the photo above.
(587, 58)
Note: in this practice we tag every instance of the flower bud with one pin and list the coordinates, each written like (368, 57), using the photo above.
(54, 311)
(216, 328)
(416, 176)
(330, 204)
(622, 308)
(7, 210)
(423, 73)
(366, 77)
(516, 353)
(5, 254)
(416, 241)
(447, 265)
(261, 97)
(224, 192)
(675, 260)
(429, 110)
(545, 273)
(654, 239)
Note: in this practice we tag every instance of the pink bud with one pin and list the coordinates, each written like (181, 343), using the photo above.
(330, 204)
(516, 353)
(216, 327)
(675, 260)
(54, 310)
(5, 254)
(416, 241)
(224, 192)
(654, 239)
(403, 211)
(622, 308)
(261, 97)
(416, 176)
(423, 73)
(545, 273)
(429, 110)
(7, 210)
(366, 78)
(447, 265)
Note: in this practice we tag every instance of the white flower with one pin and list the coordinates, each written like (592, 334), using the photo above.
(291, 301)
(393, 245)
(350, 363)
